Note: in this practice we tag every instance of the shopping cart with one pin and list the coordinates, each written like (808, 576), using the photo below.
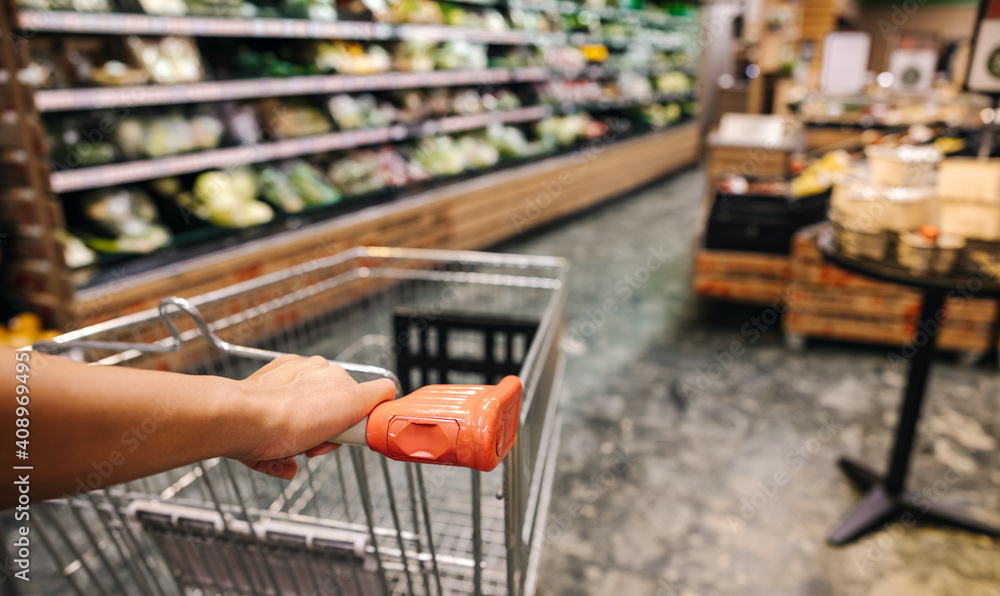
(354, 521)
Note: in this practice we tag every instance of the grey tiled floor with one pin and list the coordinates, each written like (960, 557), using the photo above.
(687, 470)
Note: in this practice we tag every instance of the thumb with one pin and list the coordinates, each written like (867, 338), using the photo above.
(368, 395)
(373, 393)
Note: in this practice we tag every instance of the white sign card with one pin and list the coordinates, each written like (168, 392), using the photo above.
(752, 130)
(845, 62)
(984, 65)
(912, 70)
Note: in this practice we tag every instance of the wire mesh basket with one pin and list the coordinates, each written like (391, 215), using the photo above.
(352, 522)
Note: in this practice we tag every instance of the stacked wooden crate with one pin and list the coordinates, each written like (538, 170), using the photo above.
(826, 301)
(748, 277)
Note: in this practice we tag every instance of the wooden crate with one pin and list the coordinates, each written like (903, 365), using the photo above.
(746, 161)
(819, 139)
(734, 276)
(828, 302)
(743, 277)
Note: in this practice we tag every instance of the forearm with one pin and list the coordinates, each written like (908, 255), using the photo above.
(92, 427)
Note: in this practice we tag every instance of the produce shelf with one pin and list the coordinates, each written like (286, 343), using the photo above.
(56, 100)
(472, 214)
(599, 71)
(435, 33)
(663, 41)
(140, 24)
(475, 209)
(606, 13)
(618, 104)
(489, 3)
(134, 171)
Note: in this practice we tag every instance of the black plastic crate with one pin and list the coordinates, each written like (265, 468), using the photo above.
(761, 222)
(753, 223)
(429, 350)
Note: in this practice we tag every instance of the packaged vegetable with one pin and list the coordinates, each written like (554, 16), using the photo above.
(168, 60)
(441, 156)
(308, 184)
(479, 153)
(226, 199)
(357, 174)
(277, 190)
(285, 120)
(120, 211)
(424, 12)
(128, 220)
(75, 252)
(152, 238)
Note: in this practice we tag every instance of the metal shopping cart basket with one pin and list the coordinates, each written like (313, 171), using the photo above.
(354, 521)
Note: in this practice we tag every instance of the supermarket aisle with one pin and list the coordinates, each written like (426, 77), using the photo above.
(698, 453)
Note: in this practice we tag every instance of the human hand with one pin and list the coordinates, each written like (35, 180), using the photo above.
(300, 403)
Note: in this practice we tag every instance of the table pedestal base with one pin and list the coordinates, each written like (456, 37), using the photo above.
(878, 507)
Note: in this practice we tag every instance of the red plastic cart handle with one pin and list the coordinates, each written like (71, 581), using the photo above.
(472, 426)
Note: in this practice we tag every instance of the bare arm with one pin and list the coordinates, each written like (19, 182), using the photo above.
(95, 426)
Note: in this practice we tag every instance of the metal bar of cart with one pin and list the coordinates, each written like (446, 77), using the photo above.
(217, 528)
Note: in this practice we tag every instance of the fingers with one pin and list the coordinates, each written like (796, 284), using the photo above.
(280, 361)
(317, 362)
(321, 449)
(279, 468)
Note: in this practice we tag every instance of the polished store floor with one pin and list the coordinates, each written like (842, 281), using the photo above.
(698, 452)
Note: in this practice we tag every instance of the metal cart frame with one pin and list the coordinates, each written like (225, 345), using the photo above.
(215, 528)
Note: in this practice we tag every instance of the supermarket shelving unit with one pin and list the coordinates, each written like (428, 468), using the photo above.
(474, 212)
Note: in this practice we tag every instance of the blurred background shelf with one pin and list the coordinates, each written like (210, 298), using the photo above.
(141, 24)
(134, 171)
(398, 115)
(473, 214)
(54, 100)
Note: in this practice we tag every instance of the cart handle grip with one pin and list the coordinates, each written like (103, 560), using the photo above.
(470, 426)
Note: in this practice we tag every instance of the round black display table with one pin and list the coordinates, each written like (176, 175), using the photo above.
(885, 497)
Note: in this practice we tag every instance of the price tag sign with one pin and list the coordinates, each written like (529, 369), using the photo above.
(845, 62)
(984, 64)
(751, 130)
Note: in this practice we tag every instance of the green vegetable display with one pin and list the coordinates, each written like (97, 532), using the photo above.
(673, 82)
(154, 237)
(357, 176)
(75, 252)
(127, 219)
(227, 199)
(167, 135)
(441, 156)
(277, 190)
(478, 153)
(510, 141)
(309, 185)
(661, 116)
